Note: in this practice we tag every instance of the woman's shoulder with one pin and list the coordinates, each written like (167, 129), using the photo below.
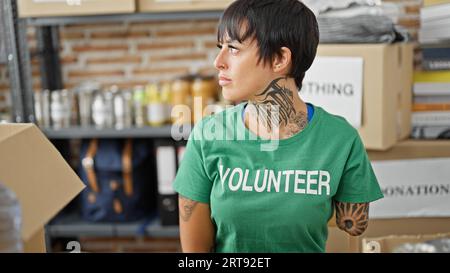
(335, 123)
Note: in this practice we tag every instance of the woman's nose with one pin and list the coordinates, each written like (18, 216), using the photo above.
(219, 62)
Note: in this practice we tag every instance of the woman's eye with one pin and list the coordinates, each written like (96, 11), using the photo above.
(233, 50)
(219, 46)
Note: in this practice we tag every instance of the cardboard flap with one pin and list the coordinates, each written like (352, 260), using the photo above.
(7, 131)
(34, 169)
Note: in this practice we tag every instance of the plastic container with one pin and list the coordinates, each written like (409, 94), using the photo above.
(10, 222)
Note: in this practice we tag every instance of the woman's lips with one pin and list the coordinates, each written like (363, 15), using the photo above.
(223, 81)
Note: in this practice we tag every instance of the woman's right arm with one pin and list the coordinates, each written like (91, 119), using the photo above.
(196, 228)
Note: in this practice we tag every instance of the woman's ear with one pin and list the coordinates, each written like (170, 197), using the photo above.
(282, 62)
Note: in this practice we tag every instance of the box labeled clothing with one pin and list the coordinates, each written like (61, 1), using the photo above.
(32, 168)
(340, 92)
(181, 5)
(387, 84)
(42, 8)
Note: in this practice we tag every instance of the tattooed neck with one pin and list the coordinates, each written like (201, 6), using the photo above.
(275, 107)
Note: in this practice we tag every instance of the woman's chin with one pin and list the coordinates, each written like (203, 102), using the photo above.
(232, 95)
(228, 94)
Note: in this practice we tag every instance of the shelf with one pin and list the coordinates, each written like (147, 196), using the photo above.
(131, 17)
(73, 226)
(3, 54)
(3, 57)
(144, 132)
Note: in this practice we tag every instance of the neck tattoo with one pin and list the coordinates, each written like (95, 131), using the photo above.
(276, 97)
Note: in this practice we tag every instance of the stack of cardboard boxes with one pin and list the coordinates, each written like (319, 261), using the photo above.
(43, 8)
(385, 127)
(399, 229)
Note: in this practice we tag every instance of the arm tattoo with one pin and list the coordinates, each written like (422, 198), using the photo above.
(188, 207)
(278, 98)
(353, 218)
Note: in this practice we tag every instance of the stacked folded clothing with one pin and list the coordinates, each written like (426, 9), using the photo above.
(357, 21)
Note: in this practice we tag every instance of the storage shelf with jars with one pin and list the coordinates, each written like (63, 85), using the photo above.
(125, 17)
(165, 109)
(76, 132)
(64, 115)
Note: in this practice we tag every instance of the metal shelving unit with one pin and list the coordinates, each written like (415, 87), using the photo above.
(127, 17)
(73, 226)
(47, 32)
(17, 56)
(3, 55)
(145, 132)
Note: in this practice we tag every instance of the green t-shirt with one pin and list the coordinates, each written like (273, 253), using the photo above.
(274, 197)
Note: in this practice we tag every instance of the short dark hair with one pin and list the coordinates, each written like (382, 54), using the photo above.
(274, 24)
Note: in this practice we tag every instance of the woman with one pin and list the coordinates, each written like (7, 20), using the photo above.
(264, 176)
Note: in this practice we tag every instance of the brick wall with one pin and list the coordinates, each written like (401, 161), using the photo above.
(129, 54)
(133, 53)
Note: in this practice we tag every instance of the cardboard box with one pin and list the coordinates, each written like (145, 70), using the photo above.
(339, 241)
(413, 176)
(387, 85)
(390, 244)
(413, 149)
(181, 5)
(40, 177)
(43, 8)
(404, 98)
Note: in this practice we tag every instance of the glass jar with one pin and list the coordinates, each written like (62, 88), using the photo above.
(181, 91)
(204, 92)
(139, 106)
(155, 107)
(182, 97)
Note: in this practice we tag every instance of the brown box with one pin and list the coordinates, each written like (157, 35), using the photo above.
(39, 176)
(181, 5)
(390, 244)
(405, 96)
(42, 8)
(413, 149)
(339, 241)
(387, 84)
